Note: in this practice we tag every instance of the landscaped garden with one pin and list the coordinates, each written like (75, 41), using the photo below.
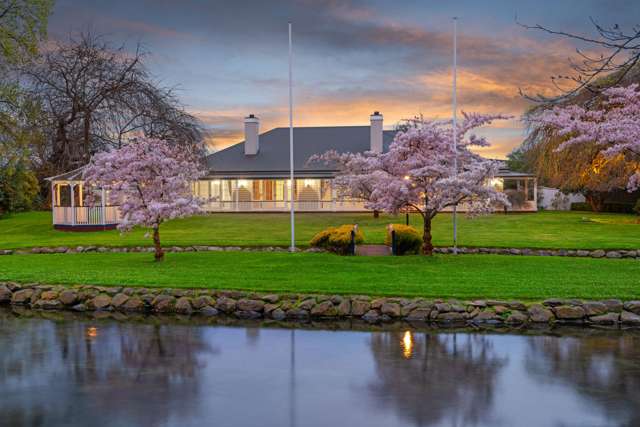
(564, 230)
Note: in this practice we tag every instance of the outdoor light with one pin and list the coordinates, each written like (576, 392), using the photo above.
(407, 345)
(243, 183)
(92, 332)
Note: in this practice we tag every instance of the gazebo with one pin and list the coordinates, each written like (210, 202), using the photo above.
(69, 207)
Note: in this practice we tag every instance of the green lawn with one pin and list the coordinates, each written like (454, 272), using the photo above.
(464, 276)
(578, 230)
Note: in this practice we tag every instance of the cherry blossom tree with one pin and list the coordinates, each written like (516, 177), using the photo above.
(150, 180)
(418, 172)
(614, 125)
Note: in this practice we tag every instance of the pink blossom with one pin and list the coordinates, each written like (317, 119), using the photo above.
(614, 125)
(150, 180)
(418, 172)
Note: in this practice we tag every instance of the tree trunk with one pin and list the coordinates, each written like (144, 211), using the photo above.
(159, 256)
(86, 148)
(376, 213)
(427, 246)
(596, 201)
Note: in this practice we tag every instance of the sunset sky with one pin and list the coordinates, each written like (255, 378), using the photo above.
(229, 58)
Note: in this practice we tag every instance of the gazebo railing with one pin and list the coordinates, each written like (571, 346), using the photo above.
(86, 215)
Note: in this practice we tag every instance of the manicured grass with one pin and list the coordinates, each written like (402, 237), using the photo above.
(573, 230)
(465, 276)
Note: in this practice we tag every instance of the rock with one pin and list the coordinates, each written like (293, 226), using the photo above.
(68, 297)
(451, 317)
(377, 303)
(79, 307)
(164, 303)
(100, 302)
(336, 299)
(297, 313)
(183, 305)
(517, 317)
(226, 305)
(5, 294)
(202, 301)
(633, 306)
(599, 253)
(359, 307)
(278, 314)
(344, 308)
(419, 314)
(478, 303)
(272, 298)
(325, 308)
(614, 254)
(371, 316)
(517, 305)
(49, 295)
(594, 308)
(458, 308)
(539, 314)
(307, 304)
(613, 305)
(22, 297)
(553, 302)
(606, 319)
(247, 314)
(134, 304)
(630, 318)
(250, 305)
(486, 316)
(391, 309)
(118, 300)
(583, 253)
(208, 311)
(47, 304)
(443, 307)
(500, 309)
(268, 308)
(569, 312)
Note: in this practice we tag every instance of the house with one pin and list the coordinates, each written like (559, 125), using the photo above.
(253, 175)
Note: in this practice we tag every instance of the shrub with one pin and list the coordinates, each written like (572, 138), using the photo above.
(408, 240)
(336, 239)
(580, 207)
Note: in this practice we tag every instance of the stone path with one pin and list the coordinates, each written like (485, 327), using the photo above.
(373, 250)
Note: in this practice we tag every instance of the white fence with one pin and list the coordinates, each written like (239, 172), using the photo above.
(86, 215)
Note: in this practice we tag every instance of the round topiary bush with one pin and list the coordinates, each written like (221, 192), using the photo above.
(408, 240)
(337, 239)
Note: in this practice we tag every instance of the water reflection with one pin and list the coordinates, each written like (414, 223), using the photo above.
(604, 370)
(79, 371)
(443, 372)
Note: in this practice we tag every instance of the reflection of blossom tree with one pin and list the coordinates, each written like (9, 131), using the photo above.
(138, 374)
(447, 377)
(604, 369)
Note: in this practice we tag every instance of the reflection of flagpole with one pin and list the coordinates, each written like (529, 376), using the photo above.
(455, 130)
(293, 227)
(292, 379)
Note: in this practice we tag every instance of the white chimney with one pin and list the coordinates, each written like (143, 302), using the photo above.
(376, 132)
(251, 132)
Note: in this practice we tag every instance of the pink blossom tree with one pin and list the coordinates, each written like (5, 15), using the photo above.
(150, 180)
(418, 172)
(614, 124)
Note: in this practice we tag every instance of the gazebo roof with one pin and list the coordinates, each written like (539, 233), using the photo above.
(74, 175)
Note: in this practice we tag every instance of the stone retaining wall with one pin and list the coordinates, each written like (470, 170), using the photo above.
(250, 305)
(595, 253)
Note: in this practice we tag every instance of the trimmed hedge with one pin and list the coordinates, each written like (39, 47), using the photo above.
(336, 239)
(408, 240)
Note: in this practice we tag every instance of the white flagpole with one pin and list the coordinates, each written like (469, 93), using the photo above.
(455, 130)
(293, 227)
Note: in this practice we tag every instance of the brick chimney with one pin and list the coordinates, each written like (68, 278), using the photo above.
(251, 135)
(376, 132)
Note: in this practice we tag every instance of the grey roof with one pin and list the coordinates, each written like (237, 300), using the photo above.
(272, 159)
(73, 175)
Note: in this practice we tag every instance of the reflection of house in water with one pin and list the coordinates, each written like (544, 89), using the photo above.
(433, 379)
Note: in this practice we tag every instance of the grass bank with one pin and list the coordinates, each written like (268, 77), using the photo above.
(570, 230)
(465, 276)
